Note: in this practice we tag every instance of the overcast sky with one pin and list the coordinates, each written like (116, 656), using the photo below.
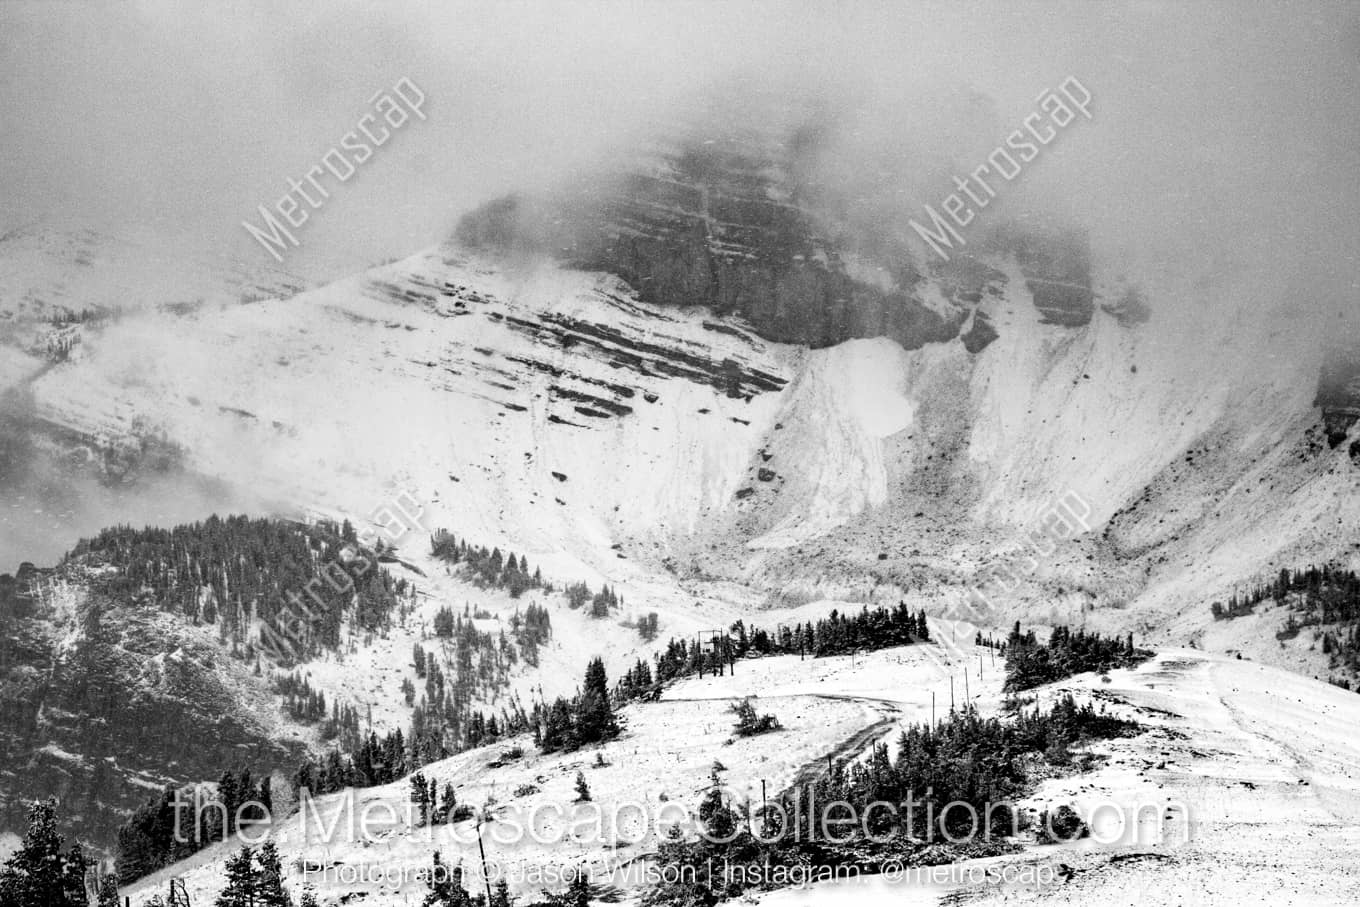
(1219, 169)
(1216, 127)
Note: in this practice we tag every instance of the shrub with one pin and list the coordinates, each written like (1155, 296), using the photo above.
(1060, 826)
(749, 724)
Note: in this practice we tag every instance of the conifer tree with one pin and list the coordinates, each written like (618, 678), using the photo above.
(245, 792)
(595, 719)
(446, 886)
(226, 795)
(582, 789)
(719, 821)
(38, 874)
(267, 796)
(557, 733)
(693, 883)
(447, 805)
(242, 880)
(269, 890)
(420, 796)
(578, 889)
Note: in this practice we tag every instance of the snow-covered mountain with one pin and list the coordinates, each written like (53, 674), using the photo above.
(59, 287)
(551, 409)
(693, 384)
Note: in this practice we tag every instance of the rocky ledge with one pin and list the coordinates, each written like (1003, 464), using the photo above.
(729, 223)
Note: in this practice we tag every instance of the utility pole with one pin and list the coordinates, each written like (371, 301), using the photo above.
(486, 878)
(932, 708)
(951, 693)
(765, 818)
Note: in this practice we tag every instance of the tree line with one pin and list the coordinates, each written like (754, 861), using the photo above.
(490, 569)
(487, 569)
(1325, 597)
(1030, 663)
(230, 571)
(156, 836)
(1325, 594)
(836, 634)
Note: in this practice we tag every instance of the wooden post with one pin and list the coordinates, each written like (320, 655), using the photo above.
(951, 693)
(482, 848)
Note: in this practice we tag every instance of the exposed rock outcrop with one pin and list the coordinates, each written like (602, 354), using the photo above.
(1338, 393)
(713, 228)
(980, 334)
(737, 224)
(104, 703)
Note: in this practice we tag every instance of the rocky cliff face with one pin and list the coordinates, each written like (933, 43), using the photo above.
(103, 703)
(742, 226)
(1057, 269)
(1338, 395)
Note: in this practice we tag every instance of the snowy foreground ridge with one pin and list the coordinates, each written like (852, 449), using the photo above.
(1246, 779)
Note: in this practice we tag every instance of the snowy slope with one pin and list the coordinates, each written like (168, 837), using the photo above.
(548, 410)
(1239, 759)
(1265, 763)
(469, 398)
(663, 761)
(45, 271)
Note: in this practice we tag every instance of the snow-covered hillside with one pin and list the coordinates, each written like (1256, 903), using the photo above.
(524, 404)
(657, 769)
(1264, 763)
(46, 271)
(1237, 758)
